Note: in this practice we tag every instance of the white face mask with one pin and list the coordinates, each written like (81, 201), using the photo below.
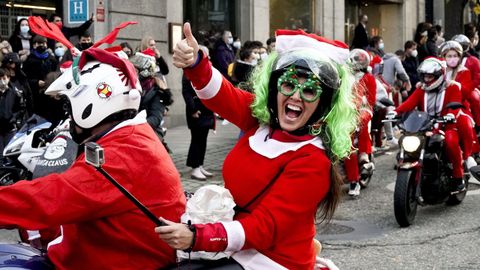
(24, 29)
(254, 62)
(414, 53)
(381, 46)
(59, 52)
(230, 40)
(263, 56)
(237, 44)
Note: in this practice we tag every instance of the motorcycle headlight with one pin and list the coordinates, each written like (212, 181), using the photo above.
(410, 143)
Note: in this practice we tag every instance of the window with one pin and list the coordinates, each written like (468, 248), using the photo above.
(294, 14)
(210, 15)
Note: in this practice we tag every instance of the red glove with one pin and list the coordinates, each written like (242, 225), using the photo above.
(210, 237)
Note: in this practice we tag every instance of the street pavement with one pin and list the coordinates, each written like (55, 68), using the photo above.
(363, 233)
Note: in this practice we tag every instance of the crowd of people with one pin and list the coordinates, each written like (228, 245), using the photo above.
(304, 104)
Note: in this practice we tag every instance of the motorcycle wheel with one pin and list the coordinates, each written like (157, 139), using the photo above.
(365, 179)
(404, 200)
(456, 199)
(8, 178)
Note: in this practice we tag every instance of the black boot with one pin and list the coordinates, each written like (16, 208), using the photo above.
(457, 185)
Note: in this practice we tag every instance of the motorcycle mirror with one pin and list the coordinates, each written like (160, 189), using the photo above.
(386, 102)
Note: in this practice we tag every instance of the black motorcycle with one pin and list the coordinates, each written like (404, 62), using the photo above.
(423, 169)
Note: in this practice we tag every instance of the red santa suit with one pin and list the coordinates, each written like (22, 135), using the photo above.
(366, 89)
(101, 228)
(280, 223)
(434, 103)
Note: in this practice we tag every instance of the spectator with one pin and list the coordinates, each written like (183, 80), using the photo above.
(360, 37)
(421, 33)
(376, 46)
(69, 32)
(18, 80)
(9, 109)
(271, 42)
(127, 49)
(199, 120)
(224, 54)
(59, 51)
(237, 44)
(393, 71)
(21, 39)
(440, 38)
(471, 32)
(38, 64)
(410, 64)
(149, 42)
(429, 48)
(243, 67)
(84, 41)
(5, 48)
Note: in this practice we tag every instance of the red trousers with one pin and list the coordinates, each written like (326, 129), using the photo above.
(458, 137)
(364, 145)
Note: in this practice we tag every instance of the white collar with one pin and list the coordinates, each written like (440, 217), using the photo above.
(272, 148)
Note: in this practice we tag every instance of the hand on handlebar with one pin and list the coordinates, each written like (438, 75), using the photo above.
(449, 118)
(391, 115)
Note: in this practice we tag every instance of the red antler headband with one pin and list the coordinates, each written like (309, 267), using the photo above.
(47, 29)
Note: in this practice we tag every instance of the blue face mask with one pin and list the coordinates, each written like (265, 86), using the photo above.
(381, 46)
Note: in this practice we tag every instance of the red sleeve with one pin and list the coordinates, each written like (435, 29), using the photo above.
(464, 77)
(288, 208)
(453, 95)
(78, 194)
(220, 96)
(371, 89)
(413, 101)
(473, 64)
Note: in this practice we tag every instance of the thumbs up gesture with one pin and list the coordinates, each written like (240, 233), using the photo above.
(185, 53)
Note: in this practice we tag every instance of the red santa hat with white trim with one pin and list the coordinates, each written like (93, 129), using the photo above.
(289, 40)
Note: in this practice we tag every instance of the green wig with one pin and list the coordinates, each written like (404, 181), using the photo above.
(335, 125)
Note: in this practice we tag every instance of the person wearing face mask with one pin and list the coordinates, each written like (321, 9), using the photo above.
(410, 63)
(452, 52)
(38, 64)
(21, 39)
(10, 108)
(360, 37)
(68, 32)
(223, 53)
(376, 46)
(470, 30)
(237, 44)
(84, 41)
(243, 67)
(271, 42)
(59, 51)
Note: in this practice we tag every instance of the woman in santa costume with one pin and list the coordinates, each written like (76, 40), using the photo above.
(452, 52)
(433, 96)
(297, 124)
(365, 88)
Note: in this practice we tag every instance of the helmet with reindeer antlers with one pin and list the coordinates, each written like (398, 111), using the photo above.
(99, 85)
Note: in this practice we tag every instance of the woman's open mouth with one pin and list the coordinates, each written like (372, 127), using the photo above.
(293, 111)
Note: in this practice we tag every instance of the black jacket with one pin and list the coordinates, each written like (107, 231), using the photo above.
(410, 64)
(10, 107)
(426, 50)
(152, 104)
(194, 104)
(360, 38)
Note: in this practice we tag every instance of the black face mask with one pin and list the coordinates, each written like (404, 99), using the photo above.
(85, 46)
(41, 49)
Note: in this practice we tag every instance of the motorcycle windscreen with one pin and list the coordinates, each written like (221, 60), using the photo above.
(415, 121)
(58, 157)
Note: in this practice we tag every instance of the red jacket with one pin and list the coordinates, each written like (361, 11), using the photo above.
(101, 228)
(418, 99)
(464, 78)
(366, 89)
(280, 224)
(473, 64)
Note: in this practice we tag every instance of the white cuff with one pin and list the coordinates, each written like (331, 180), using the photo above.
(213, 86)
(235, 235)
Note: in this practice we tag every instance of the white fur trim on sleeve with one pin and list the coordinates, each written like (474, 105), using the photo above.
(213, 86)
(235, 235)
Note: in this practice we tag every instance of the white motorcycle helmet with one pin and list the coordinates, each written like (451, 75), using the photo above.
(463, 40)
(451, 45)
(359, 60)
(103, 89)
(432, 66)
